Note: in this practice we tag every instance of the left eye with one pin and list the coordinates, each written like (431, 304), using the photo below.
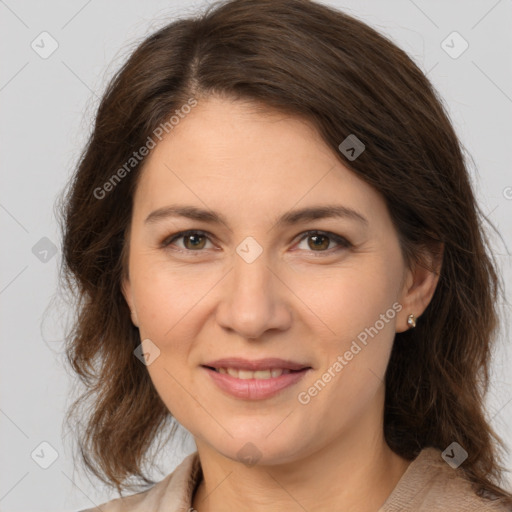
(322, 239)
(194, 241)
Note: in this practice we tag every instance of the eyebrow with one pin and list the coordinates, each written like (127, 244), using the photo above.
(287, 219)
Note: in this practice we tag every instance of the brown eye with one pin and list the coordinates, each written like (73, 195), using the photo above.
(193, 241)
(319, 241)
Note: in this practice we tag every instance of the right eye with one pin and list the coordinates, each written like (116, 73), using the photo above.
(193, 240)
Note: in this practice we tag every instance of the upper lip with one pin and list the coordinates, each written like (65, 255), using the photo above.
(268, 363)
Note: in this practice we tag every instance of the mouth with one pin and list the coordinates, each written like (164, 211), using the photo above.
(270, 373)
(253, 380)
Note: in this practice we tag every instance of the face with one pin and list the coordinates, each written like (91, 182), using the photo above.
(310, 302)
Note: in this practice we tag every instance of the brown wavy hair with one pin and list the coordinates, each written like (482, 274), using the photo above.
(319, 64)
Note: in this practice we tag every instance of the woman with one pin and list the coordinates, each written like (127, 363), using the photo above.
(274, 242)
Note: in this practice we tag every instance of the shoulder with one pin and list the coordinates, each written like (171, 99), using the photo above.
(430, 484)
(171, 494)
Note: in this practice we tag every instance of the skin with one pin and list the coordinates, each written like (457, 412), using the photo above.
(296, 301)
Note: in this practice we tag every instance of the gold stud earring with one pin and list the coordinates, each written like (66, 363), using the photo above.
(411, 321)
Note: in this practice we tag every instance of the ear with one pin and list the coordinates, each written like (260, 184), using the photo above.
(419, 285)
(126, 288)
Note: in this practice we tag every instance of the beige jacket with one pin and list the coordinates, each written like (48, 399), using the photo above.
(428, 485)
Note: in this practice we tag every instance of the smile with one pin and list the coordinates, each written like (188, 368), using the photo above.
(254, 380)
(248, 374)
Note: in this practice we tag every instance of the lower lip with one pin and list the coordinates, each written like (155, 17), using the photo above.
(255, 389)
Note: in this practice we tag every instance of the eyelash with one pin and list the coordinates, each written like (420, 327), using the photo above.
(343, 242)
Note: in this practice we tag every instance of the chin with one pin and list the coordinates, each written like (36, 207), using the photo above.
(260, 449)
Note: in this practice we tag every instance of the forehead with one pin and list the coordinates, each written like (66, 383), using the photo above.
(235, 156)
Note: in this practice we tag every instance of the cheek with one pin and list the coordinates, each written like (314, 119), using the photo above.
(166, 306)
(357, 309)
(345, 301)
(166, 299)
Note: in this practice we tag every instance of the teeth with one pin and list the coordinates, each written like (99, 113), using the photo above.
(261, 374)
(244, 374)
(232, 372)
(248, 374)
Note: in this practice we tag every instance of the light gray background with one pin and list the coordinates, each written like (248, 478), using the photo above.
(47, 108)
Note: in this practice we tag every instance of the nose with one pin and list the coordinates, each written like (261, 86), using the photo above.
(254, 299)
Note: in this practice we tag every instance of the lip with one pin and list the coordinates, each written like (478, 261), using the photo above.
(256, 364)
(255, 389)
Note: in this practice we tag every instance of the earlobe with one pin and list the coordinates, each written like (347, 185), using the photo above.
(418, 290)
